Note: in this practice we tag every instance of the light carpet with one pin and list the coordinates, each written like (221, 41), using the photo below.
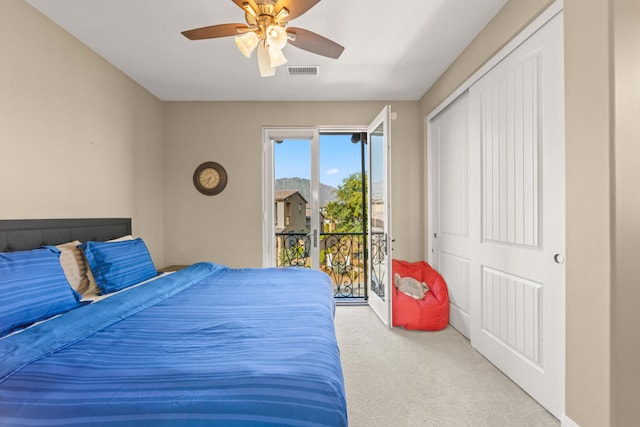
(396, 378)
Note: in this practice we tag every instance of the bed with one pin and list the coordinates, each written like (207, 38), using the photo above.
(206, 345)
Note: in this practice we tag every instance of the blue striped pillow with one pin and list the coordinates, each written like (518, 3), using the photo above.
(32, 287)
(117, 265)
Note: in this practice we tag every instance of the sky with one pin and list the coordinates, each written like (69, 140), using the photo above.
(339, 158)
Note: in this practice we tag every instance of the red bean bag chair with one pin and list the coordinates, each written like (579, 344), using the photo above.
(431, 313)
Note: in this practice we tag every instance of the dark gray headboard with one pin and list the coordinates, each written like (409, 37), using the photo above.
(25, 234)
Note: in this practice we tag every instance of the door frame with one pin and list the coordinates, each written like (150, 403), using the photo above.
(382, 307)
(269, 135)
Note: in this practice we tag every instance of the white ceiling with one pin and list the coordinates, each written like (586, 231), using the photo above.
(394, 50)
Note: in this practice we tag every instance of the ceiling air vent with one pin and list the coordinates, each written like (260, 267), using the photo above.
(303, 70)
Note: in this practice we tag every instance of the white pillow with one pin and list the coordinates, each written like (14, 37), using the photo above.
(410, 286)
(122, 239)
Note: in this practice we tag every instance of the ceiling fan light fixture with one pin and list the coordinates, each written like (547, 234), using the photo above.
(267, 29)
(247, 7)
(264, 62)
(282, 14)
(247, 43)
(276, 57)
(276, 36)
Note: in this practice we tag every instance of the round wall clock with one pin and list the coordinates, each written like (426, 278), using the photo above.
(210, 178)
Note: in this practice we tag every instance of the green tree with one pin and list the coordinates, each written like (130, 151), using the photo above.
(346, 211)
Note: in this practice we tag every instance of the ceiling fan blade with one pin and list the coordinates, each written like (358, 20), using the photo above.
(214, 31)
(295, 7)
(312, 42)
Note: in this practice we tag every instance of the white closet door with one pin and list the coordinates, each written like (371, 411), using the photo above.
(449, 178)
(517, 275)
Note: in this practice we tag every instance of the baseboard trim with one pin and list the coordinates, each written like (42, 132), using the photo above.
(460, 320)
(565, 421)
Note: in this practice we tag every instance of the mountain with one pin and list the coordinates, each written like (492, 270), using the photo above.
(327, 192)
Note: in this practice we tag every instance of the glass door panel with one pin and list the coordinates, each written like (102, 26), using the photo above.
(379, 217)
(293, 203)
(343, 212)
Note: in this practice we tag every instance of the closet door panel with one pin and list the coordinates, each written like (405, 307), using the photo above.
(516, 286)
(450, 213)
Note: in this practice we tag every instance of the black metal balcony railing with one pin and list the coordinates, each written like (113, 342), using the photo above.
(378, 263)
(342, 257)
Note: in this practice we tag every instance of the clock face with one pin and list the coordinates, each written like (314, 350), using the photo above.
(210, 178)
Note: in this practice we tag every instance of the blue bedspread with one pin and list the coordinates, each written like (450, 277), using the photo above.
(204, 346)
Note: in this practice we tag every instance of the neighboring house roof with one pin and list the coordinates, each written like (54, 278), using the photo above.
(282, 195)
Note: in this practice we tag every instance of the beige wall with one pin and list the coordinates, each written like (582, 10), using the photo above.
(227, 228)
(588, 134)
(78, 138)
(601, 375)
(626, 290)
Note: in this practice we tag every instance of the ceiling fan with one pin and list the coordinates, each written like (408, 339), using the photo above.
(266, 29)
